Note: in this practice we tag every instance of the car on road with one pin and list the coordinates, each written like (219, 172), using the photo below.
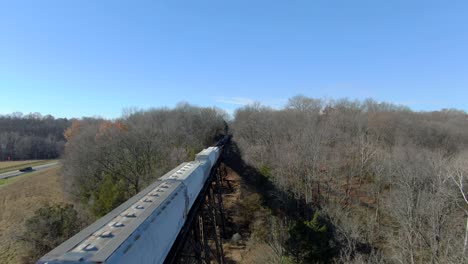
(26, 169)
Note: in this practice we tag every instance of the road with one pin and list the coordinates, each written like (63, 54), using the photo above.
(15, 173)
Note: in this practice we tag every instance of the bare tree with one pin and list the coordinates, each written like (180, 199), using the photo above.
(127, 154)
(383, 163)
(459, 175)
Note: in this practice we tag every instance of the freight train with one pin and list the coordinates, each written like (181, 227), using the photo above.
(144, 228)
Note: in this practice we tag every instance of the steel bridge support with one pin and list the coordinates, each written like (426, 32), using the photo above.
(201, 240)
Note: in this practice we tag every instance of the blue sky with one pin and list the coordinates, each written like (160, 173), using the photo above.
(88, 57)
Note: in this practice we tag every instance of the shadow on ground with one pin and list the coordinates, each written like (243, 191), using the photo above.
(281, 203)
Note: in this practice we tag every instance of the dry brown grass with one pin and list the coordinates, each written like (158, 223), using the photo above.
(18, 201)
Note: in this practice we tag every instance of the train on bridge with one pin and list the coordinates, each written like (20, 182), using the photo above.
(145, 228)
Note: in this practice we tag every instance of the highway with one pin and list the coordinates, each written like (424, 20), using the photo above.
(15, 173)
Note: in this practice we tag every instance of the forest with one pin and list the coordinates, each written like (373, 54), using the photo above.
(335, 181)
(366, 181)
(31, 136)
(107, 162)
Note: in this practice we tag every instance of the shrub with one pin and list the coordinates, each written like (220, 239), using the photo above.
(309, 241)
(110, 195)
(48, 227)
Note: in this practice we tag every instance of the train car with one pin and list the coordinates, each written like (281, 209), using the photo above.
(143, 229)
(192, 176)
(210, 154)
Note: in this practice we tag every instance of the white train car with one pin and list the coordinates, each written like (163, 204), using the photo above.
(194, 174)
(143, 229)
(210, 154)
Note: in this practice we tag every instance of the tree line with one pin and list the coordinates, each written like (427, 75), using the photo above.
(107, 162)
(348, 181)
(31, 136)
(388, 182)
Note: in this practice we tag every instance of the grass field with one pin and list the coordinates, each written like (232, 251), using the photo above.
(19, 198)
(9, 180)
(6, 166)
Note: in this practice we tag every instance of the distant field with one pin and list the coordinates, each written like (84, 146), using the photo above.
(19, 198)
(6, 166)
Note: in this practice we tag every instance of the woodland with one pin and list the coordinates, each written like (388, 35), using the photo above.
(337, 181)
(31, 136)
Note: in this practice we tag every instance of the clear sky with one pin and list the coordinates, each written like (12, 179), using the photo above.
(95, 57)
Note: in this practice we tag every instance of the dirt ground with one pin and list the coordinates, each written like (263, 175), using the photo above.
(242, 251)
(233, 250)
(18, 201)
